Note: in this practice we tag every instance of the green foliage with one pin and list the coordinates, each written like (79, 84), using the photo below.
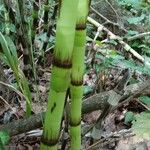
(141, 127)
(145, 100)
(9, 55)
(139, 10)
(20, 29)
(115, 59)
(4, 139)
(138, 14)
(87, 89)
(129, 117)
(130, 3)
(136, 20)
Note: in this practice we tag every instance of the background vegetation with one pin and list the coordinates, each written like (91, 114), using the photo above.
(117, 57)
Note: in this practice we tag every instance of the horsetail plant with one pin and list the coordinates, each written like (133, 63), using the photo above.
(34, 18)
(25, 33)
(50, 27)
(25, 41)
(45, 18)
(77, 72)
(49, 31)
(60, 78)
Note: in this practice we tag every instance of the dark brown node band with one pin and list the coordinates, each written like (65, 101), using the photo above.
(81, 26)
(47, 142)
(73, 124)
(77, 83)
(62, 64)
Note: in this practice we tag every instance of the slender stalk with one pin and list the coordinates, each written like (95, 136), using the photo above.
(77, 74)
(45, 18)
(50, 26)
(48, 29)
(35, 19)
(60, 77)
(27, 59)
(23, 33)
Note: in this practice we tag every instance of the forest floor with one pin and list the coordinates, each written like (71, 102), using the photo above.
(116, 91)
(115, 131)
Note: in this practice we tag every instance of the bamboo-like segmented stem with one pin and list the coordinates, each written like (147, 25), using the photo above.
(77, 74)
(27, 59)
(27, 56)
(50, 26)
(45, 18)
(35, 18)
(60, 77)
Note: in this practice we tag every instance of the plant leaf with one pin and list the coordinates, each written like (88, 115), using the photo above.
(129, 117)
(145, 100)
(141, 127)
(4, 137)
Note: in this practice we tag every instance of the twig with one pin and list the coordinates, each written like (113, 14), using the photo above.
(138, 36)
(112, 137)
(13, 88)
(107, 20)
(114, 37)
(96, 102)
(130, 98)
(111, 7)
(8, 106)
(6, 102)
(143, 105)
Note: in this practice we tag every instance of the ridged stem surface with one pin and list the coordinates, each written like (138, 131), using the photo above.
(60, 77)
(77, 75)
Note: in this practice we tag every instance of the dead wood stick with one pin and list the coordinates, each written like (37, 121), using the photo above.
(95, 102)
(138, 36)
(107, 20)
(115, 37)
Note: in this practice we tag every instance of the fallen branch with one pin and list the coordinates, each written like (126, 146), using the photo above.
(107, 20)
(115, 37)
(138, 36)
(95, 102)
(112, 137)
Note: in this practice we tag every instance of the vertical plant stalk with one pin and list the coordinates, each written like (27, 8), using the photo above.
(48, 29)
(27, 59)
(23, 31)
(50, 26)
(60, 77)
(35, 19)
(77, 74)
(45, 18)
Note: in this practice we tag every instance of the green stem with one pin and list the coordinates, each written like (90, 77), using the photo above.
(50, 27)
(27, 59)
(77, 75)
(27, 54)
(35, 19)
(45, 18)
(60, 77)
